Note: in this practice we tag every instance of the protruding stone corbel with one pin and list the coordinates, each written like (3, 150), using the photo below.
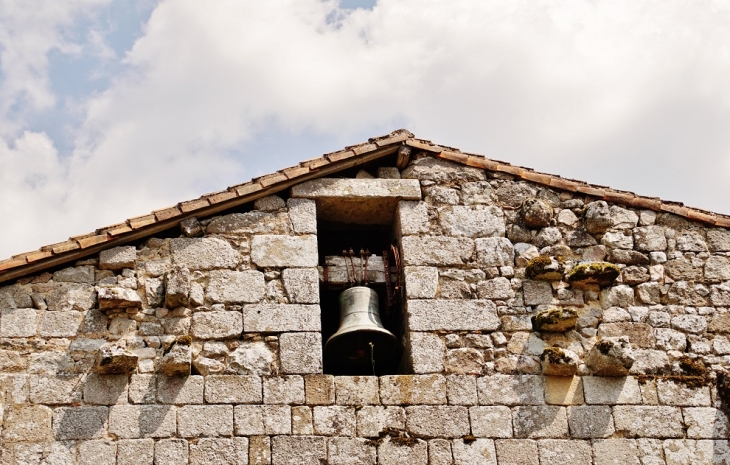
(178, 358)
(611, 356)
(113, 359)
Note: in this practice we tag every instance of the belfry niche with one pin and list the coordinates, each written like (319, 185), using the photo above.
(361, 279)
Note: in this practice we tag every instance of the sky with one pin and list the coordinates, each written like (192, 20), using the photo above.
(110, 109)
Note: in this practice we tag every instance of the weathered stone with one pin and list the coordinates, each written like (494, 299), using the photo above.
(464, 361)
(217, 324)
(590, 421)
(262, 419)
(14, 297)
(319, 389)
(302, 285)
(259, 451)
(550, 236)
(537, 292)
(71, 297)
(255, 358)
(235, 287)
(691, 241)
(600, 273)
(75, 274)
(412, 218)
(597, 217)
(628, 257)
(718, 240)
(611, 357)
(142, 421)
(682, 394)
(689, 451)
(79, 422)
(99, 452)
(540, 421)
(118, 297)
(208, 366)
(114, 359)
(357, 390)
(282, 317)
(441, 195)
(190, 227)
(56, 389)
(27, 423)
(194, 421)
(639, 334)
(301, 420)
(648, 422)
(474, 193)
(491, 422)
(612, 451)
(437, 421)
(684, 293)
(180, 390)
(559, 362)
(650, 362)
(669, 339)
(284, 251)
(301, 353)
(412, 389)
(231, 451)
(695, 324)
(434, 315)
(203, 253)
(105, 389)
(334, 420)
(517, 451)
(269, 203)
(303, 215)
(706, 423)
(495, 251)
(421, 282)
(650, 239)
(720, 295)
(253, 222)
(497, 288)
(478, 452)
(142, 389)
(437, 250)
(177, 288)
(536, 213)
(683, 269)
(472, 221)
(284, 390)
(563, 390)
(633, 275)
(544, 268)
(557, 320)
(397, 452)
(177, 360)
(171, 452)
(135, 451)
(717, 268)
(346, 451)
(374, 419)
(434, 169)
(510, 390)
(118, 258)
(18, 322)
(562, 451)
(298, 450)
(720, 323)
(617, 296)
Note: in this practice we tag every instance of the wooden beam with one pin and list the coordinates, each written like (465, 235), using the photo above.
(404, 156)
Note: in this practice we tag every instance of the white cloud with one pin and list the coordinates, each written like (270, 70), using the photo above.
(630, 94)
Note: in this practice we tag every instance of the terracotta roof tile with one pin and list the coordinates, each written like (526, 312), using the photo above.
(220, 197)
(192, 205)
(65, 247)
(118, 229)
(12, 263)
(271, 179)
(141, 221)
(248, 188)
(166, 213)
(87, 242)
(35, 256)
(295, 171)
(341, 155)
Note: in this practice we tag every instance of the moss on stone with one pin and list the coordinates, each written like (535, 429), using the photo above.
(555, 320)
(601, 273)
(544, 268)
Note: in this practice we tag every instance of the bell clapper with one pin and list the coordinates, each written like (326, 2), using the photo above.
(372, 356)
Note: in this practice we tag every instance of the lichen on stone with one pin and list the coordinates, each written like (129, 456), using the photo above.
(601, 273)
(555, 320)
(544, 268)
(556, 361)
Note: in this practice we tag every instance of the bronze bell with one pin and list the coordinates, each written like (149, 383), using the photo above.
(361, 345)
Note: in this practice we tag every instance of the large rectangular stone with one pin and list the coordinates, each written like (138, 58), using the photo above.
(18, 322)
(706, 423)
(510, 390)
(171, 452)
(142, 421)
(334, 420)
(270, 250)
(351, 188)
(412, 389)
(300, 353)
(452, 315)
(622, 451)
(58, 389)
(233, 389)
(223, 451)
(203, 253)
(437, 421)
(60, 324)
(563, 451)
(276, 318)
(235, 287)
(611, 390)
(217, 324)
(319, 389)
(590, 421)
(374, 419)
(347, 451)
(284, 390)
(135, 451)
(195, 421)
(357, 390)
(394, 452)
(180, 390)
(437, 250)
(540, 421)
(517, 451)
(298, 450)
(29, 423)
(106, 389)
(80, 422)
(648, 422)
(491, 422)
(680, 394)
(262, 419)
(478, 452)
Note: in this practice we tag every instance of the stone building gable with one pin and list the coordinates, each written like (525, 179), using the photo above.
(540, 325)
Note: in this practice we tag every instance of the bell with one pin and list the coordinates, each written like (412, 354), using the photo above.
(361, 345)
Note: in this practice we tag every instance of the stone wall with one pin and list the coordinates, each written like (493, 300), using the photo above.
(541, 328)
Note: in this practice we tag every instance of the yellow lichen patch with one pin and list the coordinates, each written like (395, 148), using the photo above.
(601, 273)
(544, 268)
(555, 320)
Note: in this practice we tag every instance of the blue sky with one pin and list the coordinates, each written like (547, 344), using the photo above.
(113, 108)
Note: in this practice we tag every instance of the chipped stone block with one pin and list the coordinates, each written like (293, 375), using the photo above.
(517, 451)
(562, 451)
(473, 221)
(611, 356)
(75, 274)
(60, 324)
(345, 451)
(105, 389)
(177, 361)
(177, 288)
(71, 296)
(118, 297)
(204, 253)
(437, 421)
(559, 362)
(319, 389)
(412, 389)
(706, 423)
(142, 389)
(374, 419)
(281, 317)
(219, 324)
(356, 390)
(452, 315)
(180, 390)
(27, 423)
(298, 450)
(302, 285)
(510, 390)
(171, 452)
(142, 421)
(498, 288)
(233, 287)
(118, 258)
(611, 390)
(590, 421)
(79, 422)
(18, 322)
(495, 251)
(436, 250)
(334, 420)
(233, 389)
(284, 390)
(426, 351)
(205, 420)
(412, 218)
(284, 251)
(135, 451)
(694, 324)
(680, 394)
(14, 297)
(394, 451)
(478, 452)
(648, 421)
(269, 203)
(491, 422)
(465, 360)
(262, 419)
(231, 451)
(540, 421)
(300, 353)
(303, 215)
(254, 358)
(113, 359)
(190, 227)
(54, 390)
(99, 452)
(253, 222)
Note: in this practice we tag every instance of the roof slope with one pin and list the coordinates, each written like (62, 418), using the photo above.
(401, 141)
